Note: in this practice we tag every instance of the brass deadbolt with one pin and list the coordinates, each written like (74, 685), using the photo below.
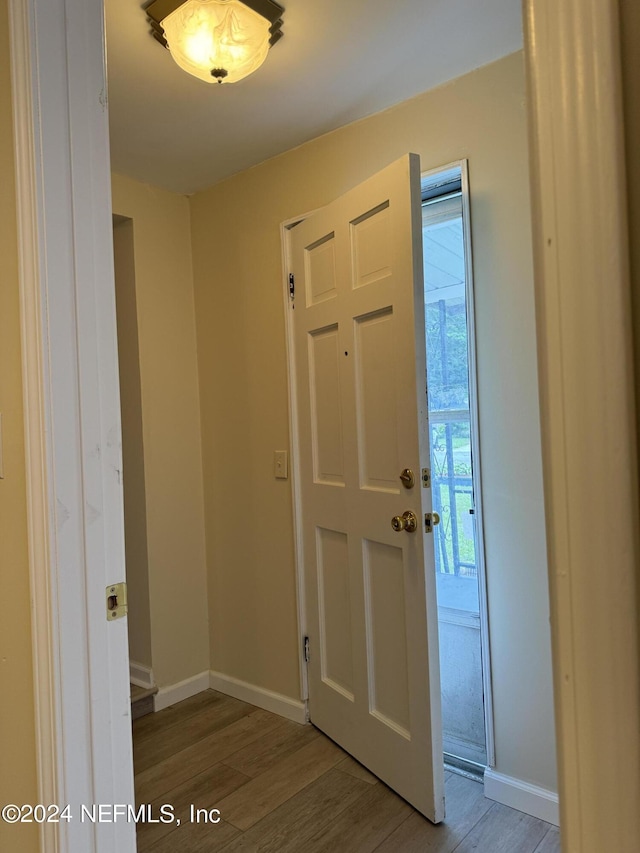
(407, 478)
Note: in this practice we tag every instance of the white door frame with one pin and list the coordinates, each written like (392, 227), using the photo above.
(72, 419)
(583, 318)
(294, 467)
(572, 52)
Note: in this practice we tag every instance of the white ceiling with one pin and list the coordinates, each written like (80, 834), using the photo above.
(339, 60)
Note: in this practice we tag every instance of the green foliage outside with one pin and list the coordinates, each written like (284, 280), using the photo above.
(446, 334)
(448, 389)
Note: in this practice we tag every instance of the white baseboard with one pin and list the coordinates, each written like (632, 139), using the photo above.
(292, 709)
(182, 690)
(140, 675)
(535, 801)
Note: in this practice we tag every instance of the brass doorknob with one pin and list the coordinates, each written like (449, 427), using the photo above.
(407, 522)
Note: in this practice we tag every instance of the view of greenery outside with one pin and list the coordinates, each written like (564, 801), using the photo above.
(455, 521)
(446, 333)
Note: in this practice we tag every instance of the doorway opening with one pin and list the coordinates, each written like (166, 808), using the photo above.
(319, 371)
(142, 684)
(455, 471)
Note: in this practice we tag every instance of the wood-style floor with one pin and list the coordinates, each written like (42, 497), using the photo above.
(285, 788)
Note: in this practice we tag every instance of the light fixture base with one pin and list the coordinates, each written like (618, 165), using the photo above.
(158, 10)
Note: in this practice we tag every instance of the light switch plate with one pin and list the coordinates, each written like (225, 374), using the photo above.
(280, 464)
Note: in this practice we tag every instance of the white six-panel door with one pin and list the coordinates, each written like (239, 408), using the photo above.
(361, 387)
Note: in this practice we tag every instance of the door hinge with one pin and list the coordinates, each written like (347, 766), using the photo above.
(117, 605)
(307, 653)
(292, 286)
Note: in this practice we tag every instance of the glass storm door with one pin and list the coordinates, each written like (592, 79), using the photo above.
(451, 413)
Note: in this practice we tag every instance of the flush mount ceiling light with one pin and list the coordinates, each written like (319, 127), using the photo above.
(218, 41)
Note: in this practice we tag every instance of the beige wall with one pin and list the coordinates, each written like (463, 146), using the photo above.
(135, 502)
(170, 428)
(18, 782)
(243, 387)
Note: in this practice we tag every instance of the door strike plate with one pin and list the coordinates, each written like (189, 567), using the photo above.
(426, 478)
(116, 597)
(430, 521)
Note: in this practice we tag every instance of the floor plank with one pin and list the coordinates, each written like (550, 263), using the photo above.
(203, 791)
(551, 842)
(354, 768)
(212, 749)
(174, 714)
(163, 744)
(364, 825)
(465, 804)
(263, 794)
(267, 751)
(196, 838)
(288, 828)
(504, 830)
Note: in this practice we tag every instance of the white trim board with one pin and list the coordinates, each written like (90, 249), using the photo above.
(530, 799)
(140, 675)
(43, 594)
(292, 709)
(173, 693)
(277, 703)
(587, 411)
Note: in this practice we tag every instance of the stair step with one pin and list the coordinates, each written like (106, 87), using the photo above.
(142, 701)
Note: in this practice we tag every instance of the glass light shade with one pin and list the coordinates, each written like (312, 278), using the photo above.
(217, 40)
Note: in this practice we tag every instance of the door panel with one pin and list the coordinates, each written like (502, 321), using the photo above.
(371, 248)
(334, 606)
(320, 270)
(386, 633)
(326, 415)
(360, 367)
(375, 402)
